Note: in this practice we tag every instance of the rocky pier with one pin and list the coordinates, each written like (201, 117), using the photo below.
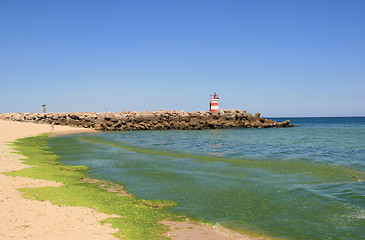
(158, 120)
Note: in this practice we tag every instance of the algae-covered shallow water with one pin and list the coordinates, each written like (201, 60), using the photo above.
(293, 183)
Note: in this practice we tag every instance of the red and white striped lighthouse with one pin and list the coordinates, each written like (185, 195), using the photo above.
(213, 102)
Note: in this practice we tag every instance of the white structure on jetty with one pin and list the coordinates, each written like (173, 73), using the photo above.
(213, 102)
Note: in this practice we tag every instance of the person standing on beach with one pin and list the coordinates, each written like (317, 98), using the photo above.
(44, 108)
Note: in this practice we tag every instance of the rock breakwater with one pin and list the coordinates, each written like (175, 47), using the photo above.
(151, 120)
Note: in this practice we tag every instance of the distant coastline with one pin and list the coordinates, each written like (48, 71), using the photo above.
(159, 120)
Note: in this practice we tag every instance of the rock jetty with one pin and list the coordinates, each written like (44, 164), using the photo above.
(158, 120)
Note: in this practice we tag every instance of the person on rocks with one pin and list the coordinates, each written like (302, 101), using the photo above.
(44, 108)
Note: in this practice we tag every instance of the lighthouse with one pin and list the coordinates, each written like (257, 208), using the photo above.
(213, 102)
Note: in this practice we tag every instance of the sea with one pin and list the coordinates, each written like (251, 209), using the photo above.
(305, 182)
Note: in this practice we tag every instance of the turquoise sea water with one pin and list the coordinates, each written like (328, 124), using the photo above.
(292, 183)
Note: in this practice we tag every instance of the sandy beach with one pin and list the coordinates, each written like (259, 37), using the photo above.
(22, 218)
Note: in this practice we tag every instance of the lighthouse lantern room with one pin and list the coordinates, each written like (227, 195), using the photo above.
(213, 102)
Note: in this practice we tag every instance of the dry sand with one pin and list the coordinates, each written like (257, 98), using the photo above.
(22, 218)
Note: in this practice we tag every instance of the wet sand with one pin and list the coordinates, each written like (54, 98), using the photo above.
(22, 218)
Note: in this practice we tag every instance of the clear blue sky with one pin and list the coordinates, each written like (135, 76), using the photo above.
(280, 58)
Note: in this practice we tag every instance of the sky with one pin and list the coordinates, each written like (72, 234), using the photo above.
(282, 58)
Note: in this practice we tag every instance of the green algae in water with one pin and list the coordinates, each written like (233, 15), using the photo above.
(293, 199)
(139, 218)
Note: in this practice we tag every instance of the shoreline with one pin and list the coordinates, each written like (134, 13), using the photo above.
(21, 216)
(39, 220)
